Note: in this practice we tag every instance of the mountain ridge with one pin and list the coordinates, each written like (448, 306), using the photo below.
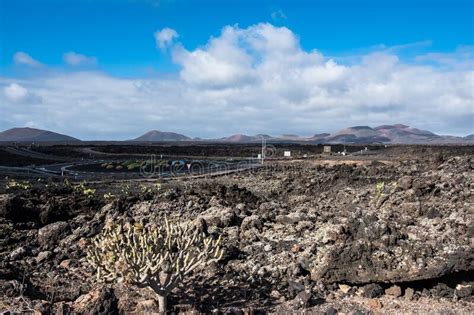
(383, 134)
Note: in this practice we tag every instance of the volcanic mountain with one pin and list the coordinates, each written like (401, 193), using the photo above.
(33, 135)
(387, 134)
(161, 136)
(244, 138)
(394, 134)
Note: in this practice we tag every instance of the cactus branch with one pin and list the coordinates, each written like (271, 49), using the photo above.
(159, 257)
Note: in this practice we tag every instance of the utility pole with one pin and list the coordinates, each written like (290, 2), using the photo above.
(264, 146)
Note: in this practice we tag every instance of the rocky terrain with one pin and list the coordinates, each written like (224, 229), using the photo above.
(313, 236)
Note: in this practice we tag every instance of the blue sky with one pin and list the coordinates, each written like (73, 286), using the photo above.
(120, 33)
(116, 41)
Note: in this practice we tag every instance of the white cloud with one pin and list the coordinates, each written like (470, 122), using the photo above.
(255, 80)
(165, 37)
(15, 92)
(75, 59)
(462, 58)
(22, 58)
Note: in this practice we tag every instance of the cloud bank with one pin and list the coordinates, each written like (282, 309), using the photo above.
(251, 80)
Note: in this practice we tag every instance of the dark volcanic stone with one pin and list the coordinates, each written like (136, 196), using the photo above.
(433, 213)
(463, 291)
(331, 311)
(302, 299)
(442, 290)
(18, 209)
(372, 290)
(294, 287)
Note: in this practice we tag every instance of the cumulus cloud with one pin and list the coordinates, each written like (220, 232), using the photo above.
(15, 92)
(22, 58)
(165, 37)
(75, 59)
(256, 80)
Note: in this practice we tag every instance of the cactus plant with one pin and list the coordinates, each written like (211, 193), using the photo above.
(155, 256)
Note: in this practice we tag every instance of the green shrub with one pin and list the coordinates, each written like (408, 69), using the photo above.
(14, 185)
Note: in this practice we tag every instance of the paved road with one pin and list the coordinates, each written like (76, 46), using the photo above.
(65, 167)
(64, 170)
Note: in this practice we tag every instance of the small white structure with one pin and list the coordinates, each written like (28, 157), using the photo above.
(287, 154)
(327, 149)
(259, 156)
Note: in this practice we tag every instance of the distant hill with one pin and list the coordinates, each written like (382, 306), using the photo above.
(386, 134)
(320, 136)
(393, 134)
(356, 134)
(241, 138)
(160, 136)
(33, 135)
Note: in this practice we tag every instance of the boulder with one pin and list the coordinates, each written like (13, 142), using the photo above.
(409, 293)
(405, 182)
(252, 221)
(344, 288)
(219, 216)
(52, 233)
(42, 256)
(98, 301)
(18, 209)
(291, 218)
(372, 290)
(394, 290)
(17, 253)
(463, 291)
(302, 299)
